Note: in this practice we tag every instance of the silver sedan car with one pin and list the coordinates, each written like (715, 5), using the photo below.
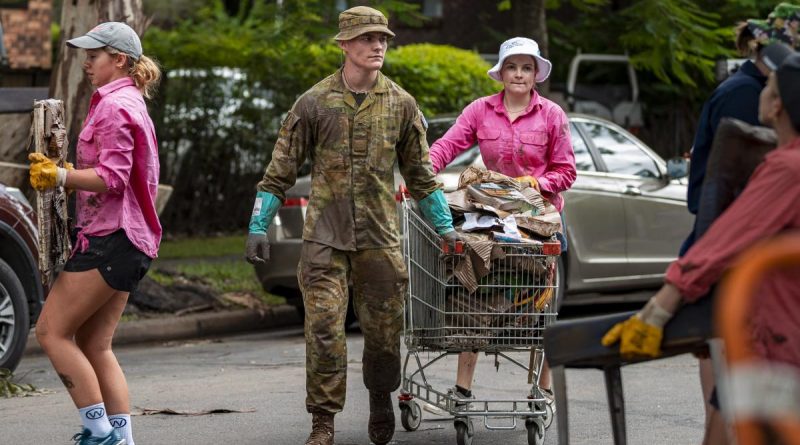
(626, 216)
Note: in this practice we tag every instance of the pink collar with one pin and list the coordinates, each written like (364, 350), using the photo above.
(114, 86)
(496, 102)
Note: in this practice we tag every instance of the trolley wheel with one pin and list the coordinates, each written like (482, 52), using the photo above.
(548, 415)
(464, 431)
(535, 429)
(410, 415)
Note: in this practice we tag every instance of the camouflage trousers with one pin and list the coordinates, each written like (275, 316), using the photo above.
(379, 279)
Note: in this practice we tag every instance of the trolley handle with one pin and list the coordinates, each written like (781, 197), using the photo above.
(448, 249)
(402, 193)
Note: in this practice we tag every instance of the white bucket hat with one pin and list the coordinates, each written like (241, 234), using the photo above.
(521, 45)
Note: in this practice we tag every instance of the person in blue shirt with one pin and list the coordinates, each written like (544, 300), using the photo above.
(736, 97)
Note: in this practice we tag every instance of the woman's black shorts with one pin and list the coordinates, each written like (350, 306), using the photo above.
(120, 263)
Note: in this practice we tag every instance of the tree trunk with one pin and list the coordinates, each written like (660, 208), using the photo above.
(68, 81)
(530, 21)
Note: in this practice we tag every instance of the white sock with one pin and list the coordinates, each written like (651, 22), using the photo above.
(122, 423)
(94, 418)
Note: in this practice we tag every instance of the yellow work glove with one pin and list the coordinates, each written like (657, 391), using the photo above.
(530, 180)
(640, 335)
(45, 174)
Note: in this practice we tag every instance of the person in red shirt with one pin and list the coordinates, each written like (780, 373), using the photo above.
(767, 206)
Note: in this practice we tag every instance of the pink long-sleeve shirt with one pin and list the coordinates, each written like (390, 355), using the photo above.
(536, 144)
(769, 204)
(118, 141)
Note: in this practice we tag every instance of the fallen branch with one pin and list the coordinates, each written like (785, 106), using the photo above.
(172, 412)
(192, 309)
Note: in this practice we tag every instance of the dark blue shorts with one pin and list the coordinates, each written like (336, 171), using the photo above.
(120, 263)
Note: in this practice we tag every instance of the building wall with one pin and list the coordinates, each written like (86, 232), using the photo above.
(26, 35)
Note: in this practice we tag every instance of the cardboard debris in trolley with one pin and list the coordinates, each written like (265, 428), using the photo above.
(500, 293)
(49, 137)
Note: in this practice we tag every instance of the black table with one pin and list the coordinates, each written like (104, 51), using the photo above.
(576, 344)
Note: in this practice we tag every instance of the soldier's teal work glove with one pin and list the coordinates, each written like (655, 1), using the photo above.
(257, 245)
(435, 209)
(640, 335)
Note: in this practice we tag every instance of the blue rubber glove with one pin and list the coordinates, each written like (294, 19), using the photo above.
(435, 209)
(264, 210)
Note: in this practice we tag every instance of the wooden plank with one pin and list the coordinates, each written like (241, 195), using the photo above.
(48, 133)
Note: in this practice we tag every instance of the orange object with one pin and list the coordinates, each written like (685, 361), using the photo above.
(457, 249)
(551, 249)
(732, 315)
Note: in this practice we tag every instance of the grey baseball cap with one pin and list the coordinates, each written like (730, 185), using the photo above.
(774, 54)
(117, 35)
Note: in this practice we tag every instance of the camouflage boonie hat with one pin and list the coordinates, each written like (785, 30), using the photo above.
(361, 20)
(785, 11)
(784, 22)
(780, 26)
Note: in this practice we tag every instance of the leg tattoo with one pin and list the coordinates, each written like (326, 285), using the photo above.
(66, 381)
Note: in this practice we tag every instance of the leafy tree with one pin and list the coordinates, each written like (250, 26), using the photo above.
(442, 79)
(673, 44)
(281, 50)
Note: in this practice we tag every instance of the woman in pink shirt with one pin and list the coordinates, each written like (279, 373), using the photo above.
(117, 230)
(520, 134)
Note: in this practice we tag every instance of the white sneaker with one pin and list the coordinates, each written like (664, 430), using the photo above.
(550, 399)
(550, 408)
(462, 400)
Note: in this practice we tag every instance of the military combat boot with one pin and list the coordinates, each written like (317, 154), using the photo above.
(381, 417)
(321, 429)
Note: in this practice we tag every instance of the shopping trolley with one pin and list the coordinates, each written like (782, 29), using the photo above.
(506, 309)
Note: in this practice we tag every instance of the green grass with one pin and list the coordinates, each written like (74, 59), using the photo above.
(206, 261)
(229, 276)
(203, 247)
(161, 278)
(128, 317)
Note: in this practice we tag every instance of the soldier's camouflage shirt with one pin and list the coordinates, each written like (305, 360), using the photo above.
(353, 152)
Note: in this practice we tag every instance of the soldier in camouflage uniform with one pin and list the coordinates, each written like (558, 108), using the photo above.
(353, 126)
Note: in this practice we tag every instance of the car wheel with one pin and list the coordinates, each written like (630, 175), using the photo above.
(14, 318)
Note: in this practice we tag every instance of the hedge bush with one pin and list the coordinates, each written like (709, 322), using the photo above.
(442, 78)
